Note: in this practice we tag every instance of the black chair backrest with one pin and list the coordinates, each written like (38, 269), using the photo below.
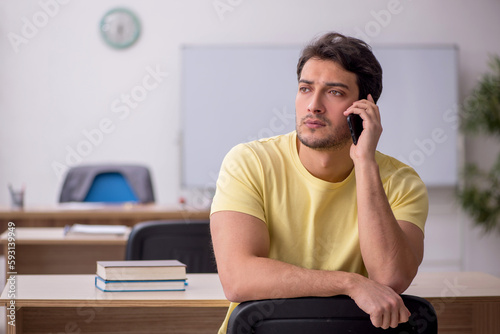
(338, 314)
(186, 241)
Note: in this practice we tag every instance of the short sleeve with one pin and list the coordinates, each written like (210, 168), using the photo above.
(408, 197)
(239, 185)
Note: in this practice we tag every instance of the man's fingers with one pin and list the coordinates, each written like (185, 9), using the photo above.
(395, 317)
(388, 319)
(391, 314)
(376, 319)
(385, 307)
(404, 315)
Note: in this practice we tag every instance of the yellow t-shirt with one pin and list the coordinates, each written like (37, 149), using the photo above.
(312, 223)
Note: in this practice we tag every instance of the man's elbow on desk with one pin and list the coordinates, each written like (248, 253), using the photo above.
(398, 282)
(399, 286)
(397, 274)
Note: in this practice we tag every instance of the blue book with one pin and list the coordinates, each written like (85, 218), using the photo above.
(136, 286)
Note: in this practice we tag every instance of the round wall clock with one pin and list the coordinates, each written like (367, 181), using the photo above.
(120, 28)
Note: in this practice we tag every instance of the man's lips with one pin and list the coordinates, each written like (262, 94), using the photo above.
(314, 123)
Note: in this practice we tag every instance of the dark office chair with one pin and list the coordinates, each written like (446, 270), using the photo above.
(318, 315)
(108, 183)
(186, 241)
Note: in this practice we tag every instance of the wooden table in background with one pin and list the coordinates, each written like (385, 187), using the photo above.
(72, 304)
(46, 250)
(467, 303)
(87, 213)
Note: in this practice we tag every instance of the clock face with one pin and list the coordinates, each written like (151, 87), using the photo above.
(120, 28)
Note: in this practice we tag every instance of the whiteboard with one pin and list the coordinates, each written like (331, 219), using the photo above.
(235, 94)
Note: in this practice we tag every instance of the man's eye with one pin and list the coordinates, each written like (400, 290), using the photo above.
(304, 89)
(336, 92)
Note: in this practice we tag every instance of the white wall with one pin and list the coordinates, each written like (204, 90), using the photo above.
(64, 80)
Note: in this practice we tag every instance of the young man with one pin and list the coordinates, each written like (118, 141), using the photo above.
(311, 214)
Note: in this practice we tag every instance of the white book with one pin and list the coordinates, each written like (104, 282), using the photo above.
(95, 229)
(141, 270)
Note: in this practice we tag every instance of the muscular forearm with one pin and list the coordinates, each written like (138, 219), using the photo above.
(263, 278)
(387, 254)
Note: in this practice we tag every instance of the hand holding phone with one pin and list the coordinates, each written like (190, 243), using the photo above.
(356, 126)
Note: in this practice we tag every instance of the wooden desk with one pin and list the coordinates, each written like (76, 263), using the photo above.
(47, 250)
(84, 213)
(464, 302)
(71, 304)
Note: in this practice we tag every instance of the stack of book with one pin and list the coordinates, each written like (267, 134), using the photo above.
(161, 275)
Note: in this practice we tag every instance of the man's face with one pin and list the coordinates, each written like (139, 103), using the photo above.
(325, 91)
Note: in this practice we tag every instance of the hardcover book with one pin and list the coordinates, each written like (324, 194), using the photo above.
(141, 270)
(137, 285)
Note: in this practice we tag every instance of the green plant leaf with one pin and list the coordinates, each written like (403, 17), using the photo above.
(480, 195)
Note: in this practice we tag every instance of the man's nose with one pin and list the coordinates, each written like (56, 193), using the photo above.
(316, 104)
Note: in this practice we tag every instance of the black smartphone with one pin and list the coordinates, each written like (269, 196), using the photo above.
(356, 126)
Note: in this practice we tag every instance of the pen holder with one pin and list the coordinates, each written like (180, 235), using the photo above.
(17, 198)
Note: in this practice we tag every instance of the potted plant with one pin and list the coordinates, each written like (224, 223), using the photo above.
(479, 194)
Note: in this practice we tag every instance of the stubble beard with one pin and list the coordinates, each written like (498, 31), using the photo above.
(335, 140)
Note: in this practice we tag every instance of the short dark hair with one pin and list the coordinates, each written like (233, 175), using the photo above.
(353, 54)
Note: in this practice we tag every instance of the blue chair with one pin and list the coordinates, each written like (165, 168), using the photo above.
(110, 188)
(322, 315)
(108, 183)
